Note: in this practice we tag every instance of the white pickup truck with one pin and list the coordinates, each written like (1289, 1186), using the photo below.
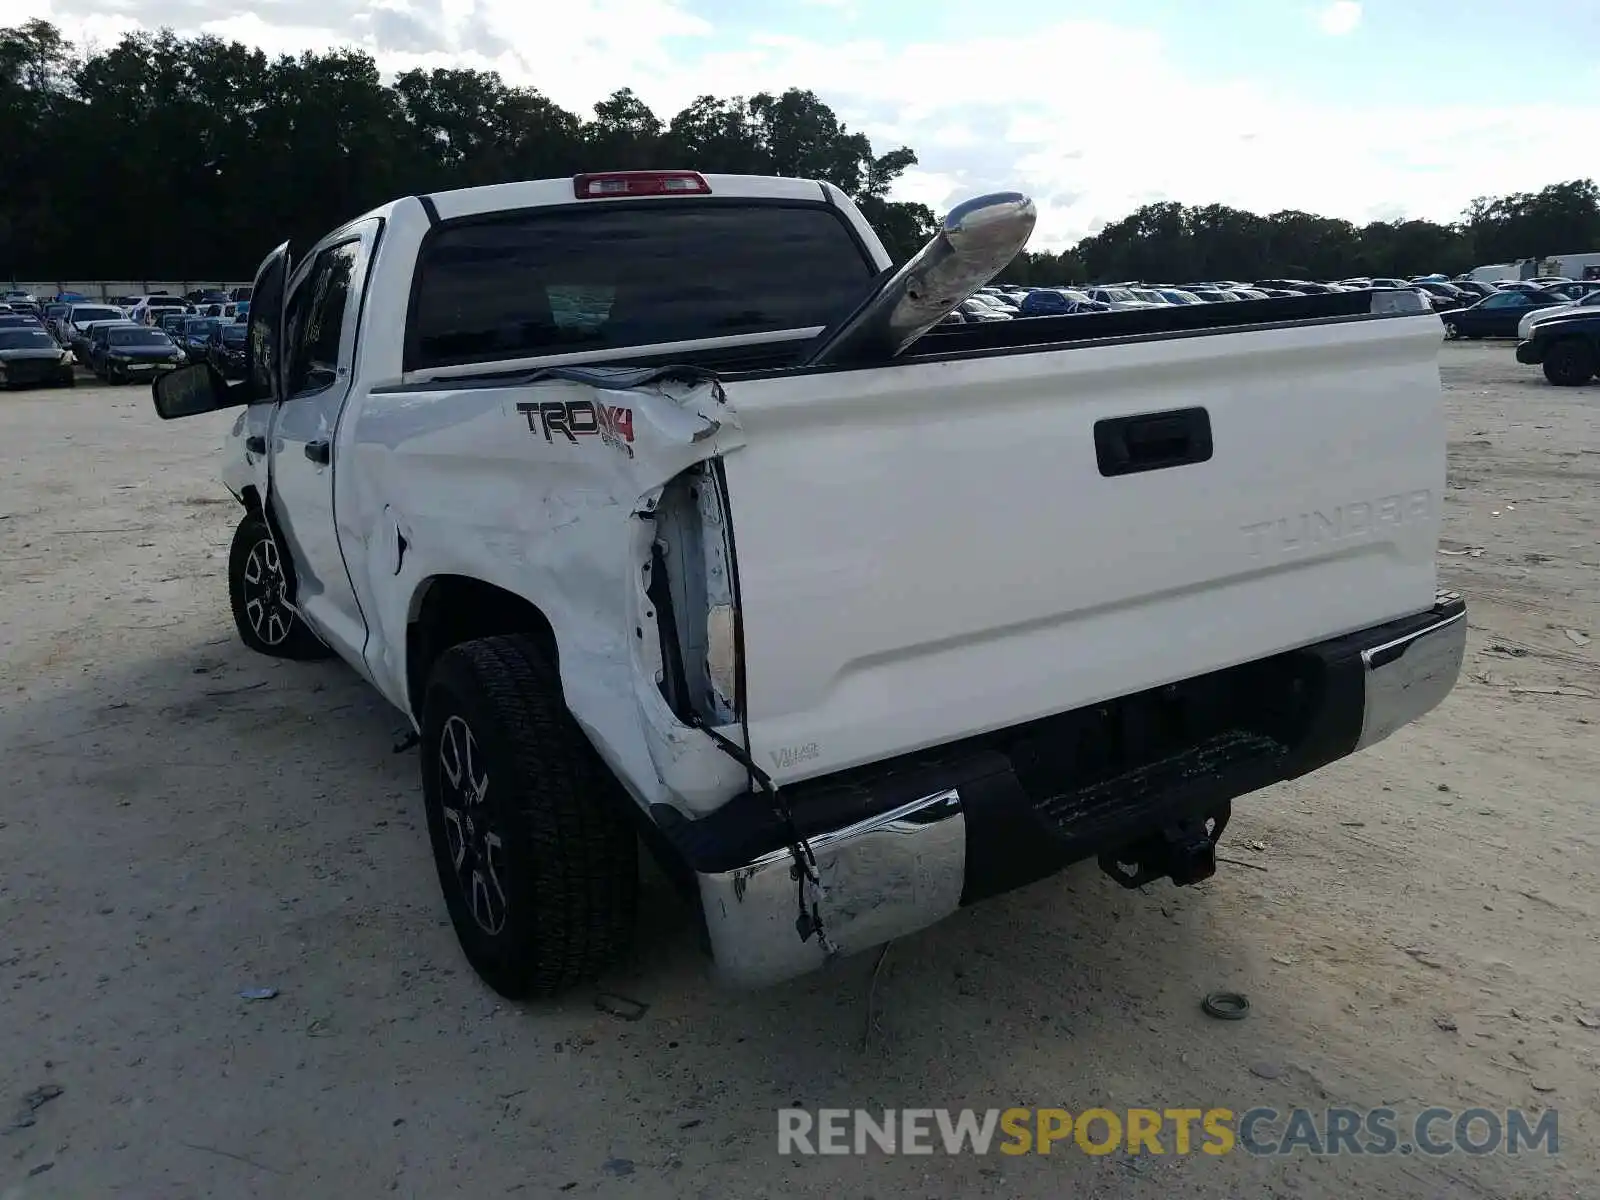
(646, 500)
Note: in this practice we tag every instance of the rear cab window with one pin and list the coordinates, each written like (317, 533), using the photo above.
(589, 278)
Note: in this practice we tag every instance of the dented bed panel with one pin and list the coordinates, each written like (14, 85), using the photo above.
(544, 490)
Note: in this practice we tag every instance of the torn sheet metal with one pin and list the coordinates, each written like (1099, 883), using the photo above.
(544, 487)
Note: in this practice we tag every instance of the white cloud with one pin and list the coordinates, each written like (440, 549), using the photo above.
(1340, 17)
(1131, 126)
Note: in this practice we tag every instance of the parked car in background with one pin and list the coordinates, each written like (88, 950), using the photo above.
(1000, 304)
(1497, 315)
(195, 336)
(1537, 316)
(206, 296)
(171, 321)
(239, 293)
(20, 320)
(1566, 346)
(1474, 288)
(1179, 296)
(82, 344)
(79, 317)
(226, 350)
(137, 352)
(1055, 302)
(150, 308)
(31, 357)
(93, 345)
(1119, 299)
(17, 296)
(55, 314)
(1443, 296)
(976, 310)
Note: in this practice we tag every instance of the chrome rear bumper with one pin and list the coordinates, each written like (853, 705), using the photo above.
(877, 879)
(1409, 675)
(905, 868)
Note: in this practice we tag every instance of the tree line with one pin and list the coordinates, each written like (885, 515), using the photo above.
(190, 157)
(1177, 243)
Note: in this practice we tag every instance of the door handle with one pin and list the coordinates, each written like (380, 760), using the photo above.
(255, 445)
(1152, 441)
(318, 452)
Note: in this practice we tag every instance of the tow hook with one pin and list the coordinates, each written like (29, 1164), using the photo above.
(1185, 851)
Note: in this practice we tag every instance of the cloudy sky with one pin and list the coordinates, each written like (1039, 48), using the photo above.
(1356, 108)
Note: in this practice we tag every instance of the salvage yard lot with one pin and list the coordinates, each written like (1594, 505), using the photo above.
(182, 820)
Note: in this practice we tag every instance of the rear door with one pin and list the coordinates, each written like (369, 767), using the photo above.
(940, 549)
(321, 316)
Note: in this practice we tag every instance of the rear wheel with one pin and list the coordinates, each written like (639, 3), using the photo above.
(538, 862)
(1452, 330)
(1569, 364)
(258, 595)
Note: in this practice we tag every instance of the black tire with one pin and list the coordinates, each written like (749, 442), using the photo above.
(1452, 330)
(256, 594)
(1569, 364)
(536, 857)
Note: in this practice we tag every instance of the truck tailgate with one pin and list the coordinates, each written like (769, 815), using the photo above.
(936, 549)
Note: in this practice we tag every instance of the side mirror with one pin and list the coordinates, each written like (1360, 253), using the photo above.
(189, 391)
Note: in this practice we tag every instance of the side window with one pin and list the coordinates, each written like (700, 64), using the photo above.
(316, 320)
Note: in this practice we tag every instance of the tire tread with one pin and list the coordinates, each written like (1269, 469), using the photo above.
(582, 851)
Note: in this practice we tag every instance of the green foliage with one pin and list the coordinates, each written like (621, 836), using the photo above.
(1176, 243)
(191, 156)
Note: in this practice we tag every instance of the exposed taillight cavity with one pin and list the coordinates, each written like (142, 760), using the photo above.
(609, 184)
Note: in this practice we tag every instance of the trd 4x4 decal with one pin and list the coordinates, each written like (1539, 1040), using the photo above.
(574, 419)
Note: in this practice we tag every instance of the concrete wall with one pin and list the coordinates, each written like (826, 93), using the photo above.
(104, 289)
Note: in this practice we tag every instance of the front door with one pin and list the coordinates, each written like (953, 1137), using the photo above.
(320, 319)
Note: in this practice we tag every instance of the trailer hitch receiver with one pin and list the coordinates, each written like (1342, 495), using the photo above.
(1184, 851)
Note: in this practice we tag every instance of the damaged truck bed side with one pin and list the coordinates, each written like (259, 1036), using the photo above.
(650, 522)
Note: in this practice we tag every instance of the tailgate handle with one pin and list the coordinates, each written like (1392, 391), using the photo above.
(1152, 441)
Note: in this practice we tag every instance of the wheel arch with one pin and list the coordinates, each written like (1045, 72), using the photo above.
(446, 610)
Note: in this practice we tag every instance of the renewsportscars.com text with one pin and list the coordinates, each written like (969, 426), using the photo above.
(1170, 1131)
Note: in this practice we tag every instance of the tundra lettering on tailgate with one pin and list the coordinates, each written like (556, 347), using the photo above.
(574, 419)
(1346, 522)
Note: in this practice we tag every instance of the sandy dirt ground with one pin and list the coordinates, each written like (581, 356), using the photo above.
(181, 820)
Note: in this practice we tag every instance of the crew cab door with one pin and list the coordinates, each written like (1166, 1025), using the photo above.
(322, 312)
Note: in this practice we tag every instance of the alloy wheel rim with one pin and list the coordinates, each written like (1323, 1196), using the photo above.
(266, 604)
(477, 851)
